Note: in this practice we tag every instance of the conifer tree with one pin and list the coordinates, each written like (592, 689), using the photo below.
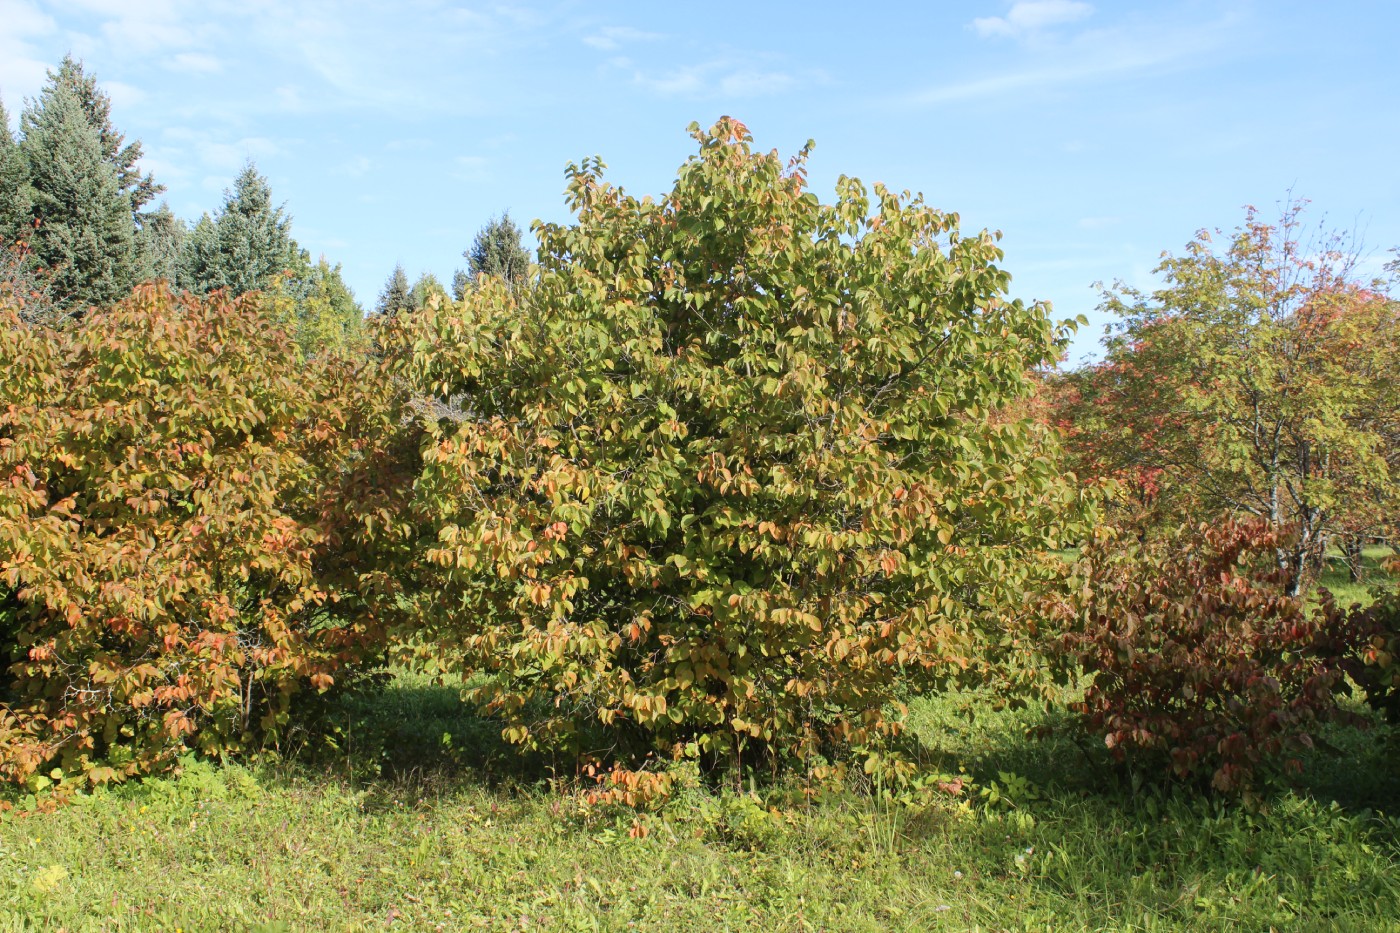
(242, 248)
(497, 252)
(326, 315)
(83, 228)
(396, 295)
(141, 189)
(461, 284)
(14, 196)
(159, 242)
(423, 289)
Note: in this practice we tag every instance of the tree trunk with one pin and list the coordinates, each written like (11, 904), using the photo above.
(1351, 548)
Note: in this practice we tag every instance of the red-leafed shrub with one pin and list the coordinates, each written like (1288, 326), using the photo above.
(1195, 659)
(1372, 647)
(189, 517)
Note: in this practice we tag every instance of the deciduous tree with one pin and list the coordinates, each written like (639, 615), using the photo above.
(1259, 380)
(733, 473)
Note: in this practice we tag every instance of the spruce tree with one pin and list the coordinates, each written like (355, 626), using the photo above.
(242, 248)
(461, 284)
(396, 296)
(159, 243)
(141, 189)
(423, 289)
(197, 252)
(83, 229)
(497, 251)
(327, 316)
(15, 212)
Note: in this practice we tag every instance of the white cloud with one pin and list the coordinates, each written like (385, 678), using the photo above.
(472, 168)
(611, 38)
(22, 72)
(1028, 17)
(123, 94)
(211, 152)
(1094, 55)
(356, 167)
(720, 78)
(195, 63)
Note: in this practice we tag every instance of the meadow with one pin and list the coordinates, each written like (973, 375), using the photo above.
(410, 814)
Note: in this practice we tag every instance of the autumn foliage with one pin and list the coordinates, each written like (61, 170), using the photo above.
(187, 517)
(726, 478)
(1196, 662)
(1259, 381)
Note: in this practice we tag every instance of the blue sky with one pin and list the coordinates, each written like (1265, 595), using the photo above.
(1093, 134)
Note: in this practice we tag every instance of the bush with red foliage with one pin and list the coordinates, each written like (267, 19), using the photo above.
(1195, 660)
(190, 517)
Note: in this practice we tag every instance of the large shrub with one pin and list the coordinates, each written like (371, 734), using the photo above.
(188, 523)
(736, 467)
(1198, 665)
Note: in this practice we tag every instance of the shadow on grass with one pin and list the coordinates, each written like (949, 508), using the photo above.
(412, 730)
(1352, 767)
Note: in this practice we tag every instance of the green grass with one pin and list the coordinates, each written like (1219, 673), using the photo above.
(393, 826)
(1337, 577)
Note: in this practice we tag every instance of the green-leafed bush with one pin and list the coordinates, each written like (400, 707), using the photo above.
(736, 469)
(189, 518)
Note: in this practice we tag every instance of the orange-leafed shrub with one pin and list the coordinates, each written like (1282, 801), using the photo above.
(189, 517)
(1196, 660)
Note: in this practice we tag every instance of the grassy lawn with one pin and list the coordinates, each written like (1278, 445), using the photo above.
(1337, 578)
(400, 828)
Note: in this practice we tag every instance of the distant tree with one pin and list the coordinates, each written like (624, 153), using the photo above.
(497, 252)
(461, 284)
(1260, 380)
(15, 214)
(82, 219)
(159, 242)
(396, 295)
(423, 289)
(325, 314)
(141, 189)
(245, 245)
(198, 245)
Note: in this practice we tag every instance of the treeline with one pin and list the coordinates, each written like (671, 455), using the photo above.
(724, 475)
(78, 229)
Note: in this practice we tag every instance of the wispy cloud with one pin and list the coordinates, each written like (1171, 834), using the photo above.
(472, 168)
(1090, 56)
(195, 63)
(1030, 17)
(721, 78)
(611, 38)
(21, 71)
(208, 150)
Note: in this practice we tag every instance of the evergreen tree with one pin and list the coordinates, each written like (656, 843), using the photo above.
(197, 252)
(159, 242)
(396, 296)
(98, 107)
(423, 289)
(497, 251)
(15, 211)
(461, 284)
(242, 248)
(83, 222)
(327, 316)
